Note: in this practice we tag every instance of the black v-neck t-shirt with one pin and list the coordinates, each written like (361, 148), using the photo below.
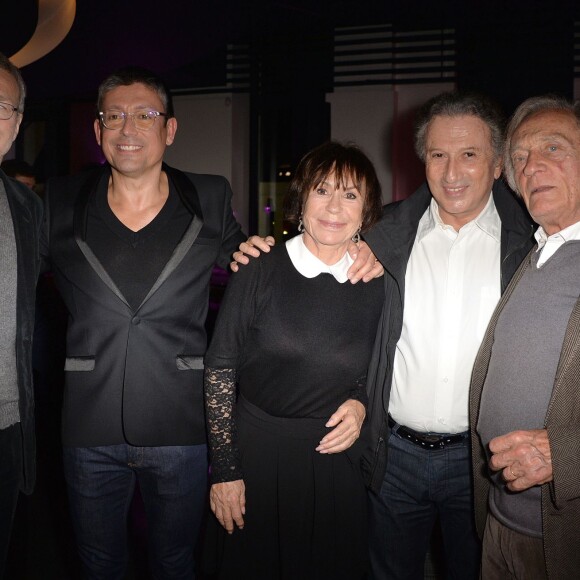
(134, 260)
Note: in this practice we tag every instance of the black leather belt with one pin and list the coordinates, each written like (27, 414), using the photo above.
(425, 440)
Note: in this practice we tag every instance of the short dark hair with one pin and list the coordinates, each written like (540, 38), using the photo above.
(134, 74)
(528, 108)
(345, 161)
(13, 70)
(457, 104)
(14, 167)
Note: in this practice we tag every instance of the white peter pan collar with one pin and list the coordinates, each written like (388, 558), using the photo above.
(310, 266)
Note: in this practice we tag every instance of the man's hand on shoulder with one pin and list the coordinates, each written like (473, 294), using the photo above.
(252, 247)
(365, 267)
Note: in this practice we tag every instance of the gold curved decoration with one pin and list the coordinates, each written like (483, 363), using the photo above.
(55, 19)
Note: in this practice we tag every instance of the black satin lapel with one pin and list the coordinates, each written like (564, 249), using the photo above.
(178, 254)
(80, 219)
(189, 197)
(100, 270)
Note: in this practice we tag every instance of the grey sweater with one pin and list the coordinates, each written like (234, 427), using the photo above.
(8, 378)
(526, 349)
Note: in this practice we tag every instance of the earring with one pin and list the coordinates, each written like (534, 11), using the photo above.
(300, 226)
(356, 237)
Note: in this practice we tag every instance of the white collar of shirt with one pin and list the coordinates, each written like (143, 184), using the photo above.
(310, 266)
(488, 221)
(549, 245)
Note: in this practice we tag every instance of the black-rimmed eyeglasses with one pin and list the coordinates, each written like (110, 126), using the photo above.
(143, 119)
(7, 110)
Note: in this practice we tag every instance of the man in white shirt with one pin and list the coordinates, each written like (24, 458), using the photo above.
(525, 391)
(448, 252)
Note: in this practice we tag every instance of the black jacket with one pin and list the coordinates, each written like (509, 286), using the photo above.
(392, 240)
(26, 209)
(137, 376)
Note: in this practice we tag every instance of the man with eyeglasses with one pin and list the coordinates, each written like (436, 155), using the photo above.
(20, 221)
(132, 246)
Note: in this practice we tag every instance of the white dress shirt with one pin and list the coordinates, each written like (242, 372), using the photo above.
(549, 245)
(310, 266)
(452, 286)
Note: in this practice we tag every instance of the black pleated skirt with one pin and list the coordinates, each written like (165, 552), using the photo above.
(305, 512)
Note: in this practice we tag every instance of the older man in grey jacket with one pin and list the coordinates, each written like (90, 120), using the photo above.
(525, 395)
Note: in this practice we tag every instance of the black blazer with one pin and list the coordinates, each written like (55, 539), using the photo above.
(26, 209)
(137, 376)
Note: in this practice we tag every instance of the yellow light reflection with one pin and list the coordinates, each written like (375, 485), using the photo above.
(55, 19)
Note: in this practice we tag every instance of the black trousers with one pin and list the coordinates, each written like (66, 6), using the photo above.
(10, 478)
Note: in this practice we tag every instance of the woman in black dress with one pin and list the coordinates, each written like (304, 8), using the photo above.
(296, 338)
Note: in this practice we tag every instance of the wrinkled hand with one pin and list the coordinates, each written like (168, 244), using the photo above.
(365, 266)
(524, 457)
(228, 502)
(252, 247)
(347, 420)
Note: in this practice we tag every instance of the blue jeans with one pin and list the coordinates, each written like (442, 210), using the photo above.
(101, 482)
(418, 486)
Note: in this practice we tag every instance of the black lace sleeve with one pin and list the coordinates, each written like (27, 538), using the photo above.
(359, 391)
(220, 397)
